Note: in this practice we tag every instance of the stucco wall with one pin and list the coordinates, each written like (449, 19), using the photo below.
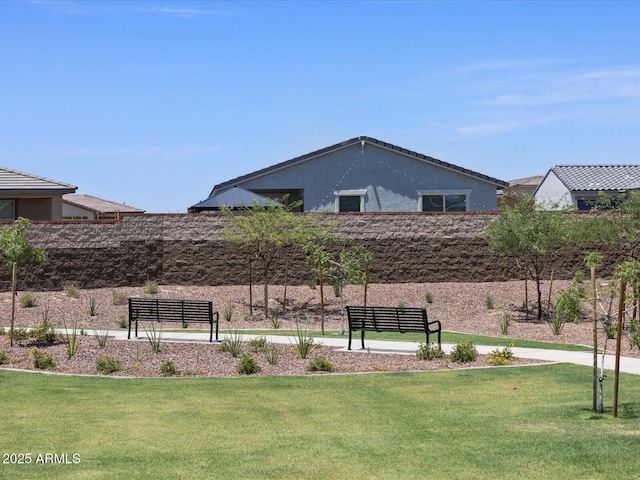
(189, 249)
(390, 178)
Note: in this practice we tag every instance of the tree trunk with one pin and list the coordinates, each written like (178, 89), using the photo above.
(286, 279)
(13, 302)
(266, 290)
(321, 298)
(616, 380)
(250, 290)
(594, 306)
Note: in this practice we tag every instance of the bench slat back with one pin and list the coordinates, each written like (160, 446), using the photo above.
(403, 319)
(170, 309)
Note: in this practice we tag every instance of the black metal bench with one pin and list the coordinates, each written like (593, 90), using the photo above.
(172, 310)
(390, 319)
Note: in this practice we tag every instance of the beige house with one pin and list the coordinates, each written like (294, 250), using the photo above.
(519, 188)
(29, 196)
(87, 207)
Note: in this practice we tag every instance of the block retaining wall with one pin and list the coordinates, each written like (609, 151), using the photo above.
(189, 249)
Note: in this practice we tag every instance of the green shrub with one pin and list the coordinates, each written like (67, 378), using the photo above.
(320, 364)
(489, 303)
(274, 317)
(71, 338)
(122, 321)
(303, 341)
(259, 344)
(227, 311)
(502, 356)
(106, 365)
(150, 287)
(569, 305)
(118, 297)
(429, 351)
(27, 300)
(464, 352)
(168, 368)
(272, 354)
(44, 332)
(578, 277)
(4, 358)
(428, 297)
(71, 289)
(93, 306)
(248, 365)
(505, 322)
(233, 344)
(557, 324)
(42, 361)
(20, 333)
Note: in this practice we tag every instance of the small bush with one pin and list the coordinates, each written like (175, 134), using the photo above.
(578, 277)
(569, 305)
(42, 361)
(489, 303)
(168, 368)
(274, 317)
(303, 341)
(20, 333)
(429, 351)
(428, 297)
(320, 364)
(27, 300)
(4, 358)
(71, 338)
(464, 352)
(259, 344)
(150, 287)
(44, 332)
(505, 322)
(71, 290)
(502, 357)
(227, 311)
(248, 365)
(118, 297)
(272, 354)
(93, 306)
(122, 321)
(557, 324)
(106, 365)
(233, 344)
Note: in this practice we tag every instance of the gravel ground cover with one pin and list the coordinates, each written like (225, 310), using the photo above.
(460, 307)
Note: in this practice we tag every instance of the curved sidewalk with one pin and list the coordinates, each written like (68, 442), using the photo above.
(627, 364)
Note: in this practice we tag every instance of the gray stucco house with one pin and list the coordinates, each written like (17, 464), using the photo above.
(579, 185)
(367, 175)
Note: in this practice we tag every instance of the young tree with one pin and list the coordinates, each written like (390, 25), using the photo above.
(266, 231)
(532, 237)
(15, 250)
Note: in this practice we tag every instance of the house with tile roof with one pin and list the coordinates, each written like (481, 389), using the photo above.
(363, 174)
(579, 185)
(30, 196)
(518, 188)
(87, 207)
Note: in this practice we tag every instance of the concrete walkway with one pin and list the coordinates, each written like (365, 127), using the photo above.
(627, 364)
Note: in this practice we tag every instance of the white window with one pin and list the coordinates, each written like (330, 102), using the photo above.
(443, 200)
(349, 200)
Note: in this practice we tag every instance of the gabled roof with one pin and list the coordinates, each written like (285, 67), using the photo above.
(235, 197)
(98, 205)
(354, 141)
(533, 181)
(598, 177)
(12, 181)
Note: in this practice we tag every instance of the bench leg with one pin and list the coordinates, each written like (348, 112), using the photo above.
(362, 339)
(349, 347)
(129, 334)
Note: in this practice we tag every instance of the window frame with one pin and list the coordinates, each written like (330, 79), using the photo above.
(444, 194)
(349, 193)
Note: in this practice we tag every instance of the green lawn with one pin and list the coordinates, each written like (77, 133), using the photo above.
(527, 422)
(447, 337)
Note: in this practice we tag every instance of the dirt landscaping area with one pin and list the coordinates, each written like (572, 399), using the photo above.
(461, 307)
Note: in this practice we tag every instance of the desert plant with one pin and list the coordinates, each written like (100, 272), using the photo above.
(247, 365)
(227, 311)
(233, 343)
(101, 337)
(272, 354)
(557, 324)
(428, 297)
(150, 287)
(71, 290)
(122, 321)
(93, 306)
(154, 335)
(320, 364)
(4, 358)
(489, 302)
(259, 344)
(429, 351)
(42, 361)
(118, 297)
(107, 364)
(44, 332)
(569, 304)
(168, 368)
(502, 356)
(274, 317)
(505, 322)
(464, 352)
(28, 300)
(303, 341)
(71, 338)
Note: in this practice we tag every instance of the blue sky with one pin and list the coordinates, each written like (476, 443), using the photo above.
(152, 103)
